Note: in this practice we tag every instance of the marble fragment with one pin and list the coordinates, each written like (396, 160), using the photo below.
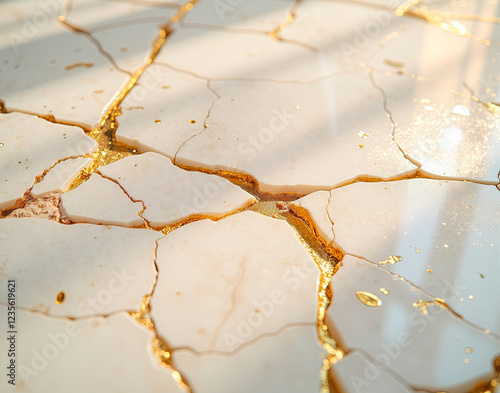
(100, 269)
(171, 194)
(222, 284)
(289, 362)
(22, 159)
(403, 330)
(100, 201)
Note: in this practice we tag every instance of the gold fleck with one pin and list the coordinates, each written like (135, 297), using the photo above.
(77, 65)
(384, 291)
(471, 297)
(60, 297)
(468, 350)
(391, 260)
(361, 146)
(368, 299)
(192, 121)
(1, 144)
(157, 121)
(429, 270)
(466, 360)
(362, 134)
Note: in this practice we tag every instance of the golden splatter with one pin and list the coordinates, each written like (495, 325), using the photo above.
(60, 297)
(391, 260)
(157, 121)
(192, 121)
(368, 299)
(78, 65)
(422, 306)
(384, 291)
(362, 134)
(361, 146)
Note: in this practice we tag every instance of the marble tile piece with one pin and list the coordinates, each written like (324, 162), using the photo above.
(256, 15)
(125, 31)
(171, 194)
(100, 201)
(100, 269)
(357, 373)
(285, 135)
(401, 337)
(289, 362)
(73, 84)
(21, 157)
(246, 55)
(446, 233)
(454, 61)
(60, 177)
(111, 354)
(222, 284)
(448, 135)
(165, 109)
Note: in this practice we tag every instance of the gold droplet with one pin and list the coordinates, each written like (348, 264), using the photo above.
(1, 144)
(471, 297)
(361, 146)
(368, 299)
(384, 291)
(157, 121)
(60, 297)
(429, 270)
(391, 260)
(192, 121)
(468, 350)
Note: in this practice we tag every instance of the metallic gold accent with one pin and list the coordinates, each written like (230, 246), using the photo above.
(368, 299)
(60, 297)
(391, 260)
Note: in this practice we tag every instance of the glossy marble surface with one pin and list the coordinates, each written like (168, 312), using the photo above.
(250, 195)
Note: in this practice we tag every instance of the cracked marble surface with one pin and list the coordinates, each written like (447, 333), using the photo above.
(239, 195)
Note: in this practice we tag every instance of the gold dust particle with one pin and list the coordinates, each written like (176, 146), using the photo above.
(417, 250)
(429, 270)
(368, 299)
(471, 297)
(384, 291)
(297, 107)
(466, 360)
(468, 350)
(391, 260)
(192, 121)
(60, 297)
(361, 146)
(362, 134)
(1, 144)
(157, 121)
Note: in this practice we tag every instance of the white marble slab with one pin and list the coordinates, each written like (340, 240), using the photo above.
(223, 284)
(110, 354)
(266, 367)
(100, 269)
(401, 337)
